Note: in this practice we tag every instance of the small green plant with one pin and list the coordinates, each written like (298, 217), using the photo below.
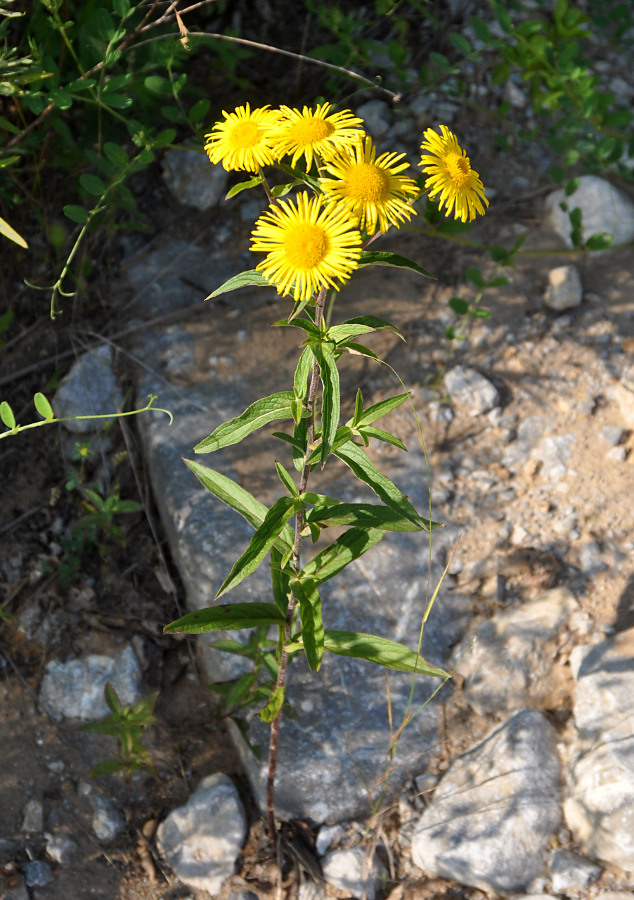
(127, 724)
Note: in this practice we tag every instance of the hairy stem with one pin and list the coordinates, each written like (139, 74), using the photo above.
(297, 551)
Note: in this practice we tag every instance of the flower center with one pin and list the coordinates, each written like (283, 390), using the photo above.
(305, 246)
(245, 134)
(458, 168)
(309, 131)
(366, 183)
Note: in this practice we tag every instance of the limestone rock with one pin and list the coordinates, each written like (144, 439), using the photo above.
(495, 810)
(510, 664)
(201, 840)
(571, 872)
(604, 208)
(564, 289)
(471, 390)
(192, 179)
(354, 872)
(90, 388)
(600, 777)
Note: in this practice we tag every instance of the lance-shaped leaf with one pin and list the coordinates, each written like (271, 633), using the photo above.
(256, 181)
(380, 409)
(280, 581)
(381, 651)
(305, 324)
(369, 431)
(303, 370)
(252, 278)
(361, 325)
(360, 464)
(331, 400)
(238, 499)
(335, 557)
(277, 406)
(366, 515)
(384, 258)
(227, 617)
(260, 544)
(274, 707)
(307, 592)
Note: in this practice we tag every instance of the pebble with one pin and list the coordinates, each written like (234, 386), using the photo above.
(201, 840)
(192, 179)
(604, 208)
(612, 434)
(569, 871)
(377, 116)
(33, 816)
(37, 874)
(90, 388)
(590, 559)
(564, 289)
(107, 821)
(471, 390)
(354, 871)
(60, 848)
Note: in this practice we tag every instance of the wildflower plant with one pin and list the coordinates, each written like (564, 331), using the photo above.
(345, 197)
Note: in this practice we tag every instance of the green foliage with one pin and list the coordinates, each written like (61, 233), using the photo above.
(127, 724)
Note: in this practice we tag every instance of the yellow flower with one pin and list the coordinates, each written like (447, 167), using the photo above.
(372, 189)
(242, 141)
(451, 175)
(315, 133)
(307, 245)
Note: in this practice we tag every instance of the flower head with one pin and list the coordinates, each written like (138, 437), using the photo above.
(310, 133)
(451, 175)
(373, 189)
(242, 141)
(307, 245)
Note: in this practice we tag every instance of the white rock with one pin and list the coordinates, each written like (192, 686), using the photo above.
(605, 209)
(471, 390)
(107, 821)
(75, 689)
(33, 816)
(571, 872)
(60, 848)
(377, 116)
(599, 805)
(495, 810)
(510, 665)
(354, 871)
(564, 289)
(201, 840)
(192, 179)
(90, 388)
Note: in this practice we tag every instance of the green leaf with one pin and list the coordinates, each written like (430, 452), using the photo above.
(332, 559)
(76, 213)
(384, 258)
(307, 592)
(286, 479)
(116, 154)
(260, 544)
(460, 42)
(112, 699)
(61, 98)
(380, 435)
(459, 306)
(276, 406)
(43, 406)
(117, 101)
(103, 23)
(365, 515)
(305, 324)
(256, 181)
(238, 499)
(358, 461)
(360, 325)
(252, 278)
(108, 767)
(381, 651)
(11, 234)
(6, 414)
(92, 184)
(163, 138)
(227, 617)
(382, 408)
(360, 350)
(474, 276)
(600, 241)
(331, 400)
(273, 708)
(358, 409)
(280, 581)
(302, 372)
(198, 111)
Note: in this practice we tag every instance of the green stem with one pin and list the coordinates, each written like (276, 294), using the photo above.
(297, 549)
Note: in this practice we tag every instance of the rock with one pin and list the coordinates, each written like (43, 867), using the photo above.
(312, 890)
(75, 689)
(495, 810)
(343, 724)
(617, 454)
(553, 453)
(90, 388)
(201, 840)
(511, 663)
(571, 872)
(107, 821)
(192, 179)
(604, 208)
(590, 559)
(624, 396)
(33, 816)
(564, 289)
(377, 117)
(600, 772)
(327, 836)
(37, 874)
(355, 871)
(612, 434)
(60, 848)
(471, 390)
